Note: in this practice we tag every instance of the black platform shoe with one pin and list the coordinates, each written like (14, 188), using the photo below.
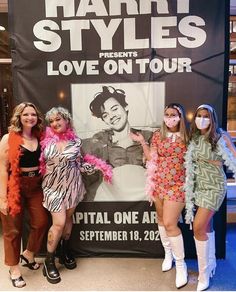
(18, 282)
(50, 270)
(66, 258)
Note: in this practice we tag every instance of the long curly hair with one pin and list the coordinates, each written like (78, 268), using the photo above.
(15, 123)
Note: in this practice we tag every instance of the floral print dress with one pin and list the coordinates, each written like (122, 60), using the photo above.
(170, 175)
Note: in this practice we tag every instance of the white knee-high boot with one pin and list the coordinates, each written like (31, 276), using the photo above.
(167, 263)
(177, 246)
(212, 253)
(202, 248)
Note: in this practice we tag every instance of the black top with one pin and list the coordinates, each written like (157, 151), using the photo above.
(29, 158)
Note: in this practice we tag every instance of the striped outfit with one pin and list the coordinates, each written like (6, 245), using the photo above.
(210, 180)
(205, 184)
(62, 181)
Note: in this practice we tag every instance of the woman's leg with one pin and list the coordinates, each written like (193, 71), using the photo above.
(168, 259)
(54, 234)
(159, 209)
(12, 231)
(38, 218)
(56, 230)
(69, 223)
(202, 223)
(171, 214)
(201, 226)
(66, 256)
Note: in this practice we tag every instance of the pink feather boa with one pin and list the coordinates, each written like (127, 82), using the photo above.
(101, 165)
(151, 166)
(51, 137)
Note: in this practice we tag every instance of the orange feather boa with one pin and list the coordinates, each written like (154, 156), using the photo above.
(14, 152)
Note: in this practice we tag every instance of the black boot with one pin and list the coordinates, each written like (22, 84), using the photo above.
(50, 270)
(66, 257)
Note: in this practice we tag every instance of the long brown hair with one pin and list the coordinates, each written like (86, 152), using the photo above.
(213, 133)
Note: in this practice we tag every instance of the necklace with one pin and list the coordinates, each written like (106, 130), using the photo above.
(28, 138)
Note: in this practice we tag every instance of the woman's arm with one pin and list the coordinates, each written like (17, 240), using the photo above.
(147, 150)
(229, 143)
(4, 166)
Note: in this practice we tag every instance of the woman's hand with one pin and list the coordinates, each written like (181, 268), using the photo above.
(214, 162)
(87, 168)
(229, 143)
(3, 206)
(137, 137)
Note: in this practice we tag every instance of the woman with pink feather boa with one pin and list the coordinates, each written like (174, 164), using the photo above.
(63, 188)
(165, 180)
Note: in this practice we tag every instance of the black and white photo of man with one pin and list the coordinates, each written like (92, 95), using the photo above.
(114, 145)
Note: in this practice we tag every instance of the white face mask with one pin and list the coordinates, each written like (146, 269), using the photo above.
(202, 123)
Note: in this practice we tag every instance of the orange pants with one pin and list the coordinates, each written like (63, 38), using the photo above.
(32, 196)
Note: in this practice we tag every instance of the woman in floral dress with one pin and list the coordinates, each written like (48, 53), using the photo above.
(165, 184)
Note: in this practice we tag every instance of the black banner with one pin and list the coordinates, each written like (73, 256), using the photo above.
(119, 229)
(156, 52)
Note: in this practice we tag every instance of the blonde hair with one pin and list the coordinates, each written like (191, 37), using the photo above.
(183, 129)
(15, 123)
(63, 112)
